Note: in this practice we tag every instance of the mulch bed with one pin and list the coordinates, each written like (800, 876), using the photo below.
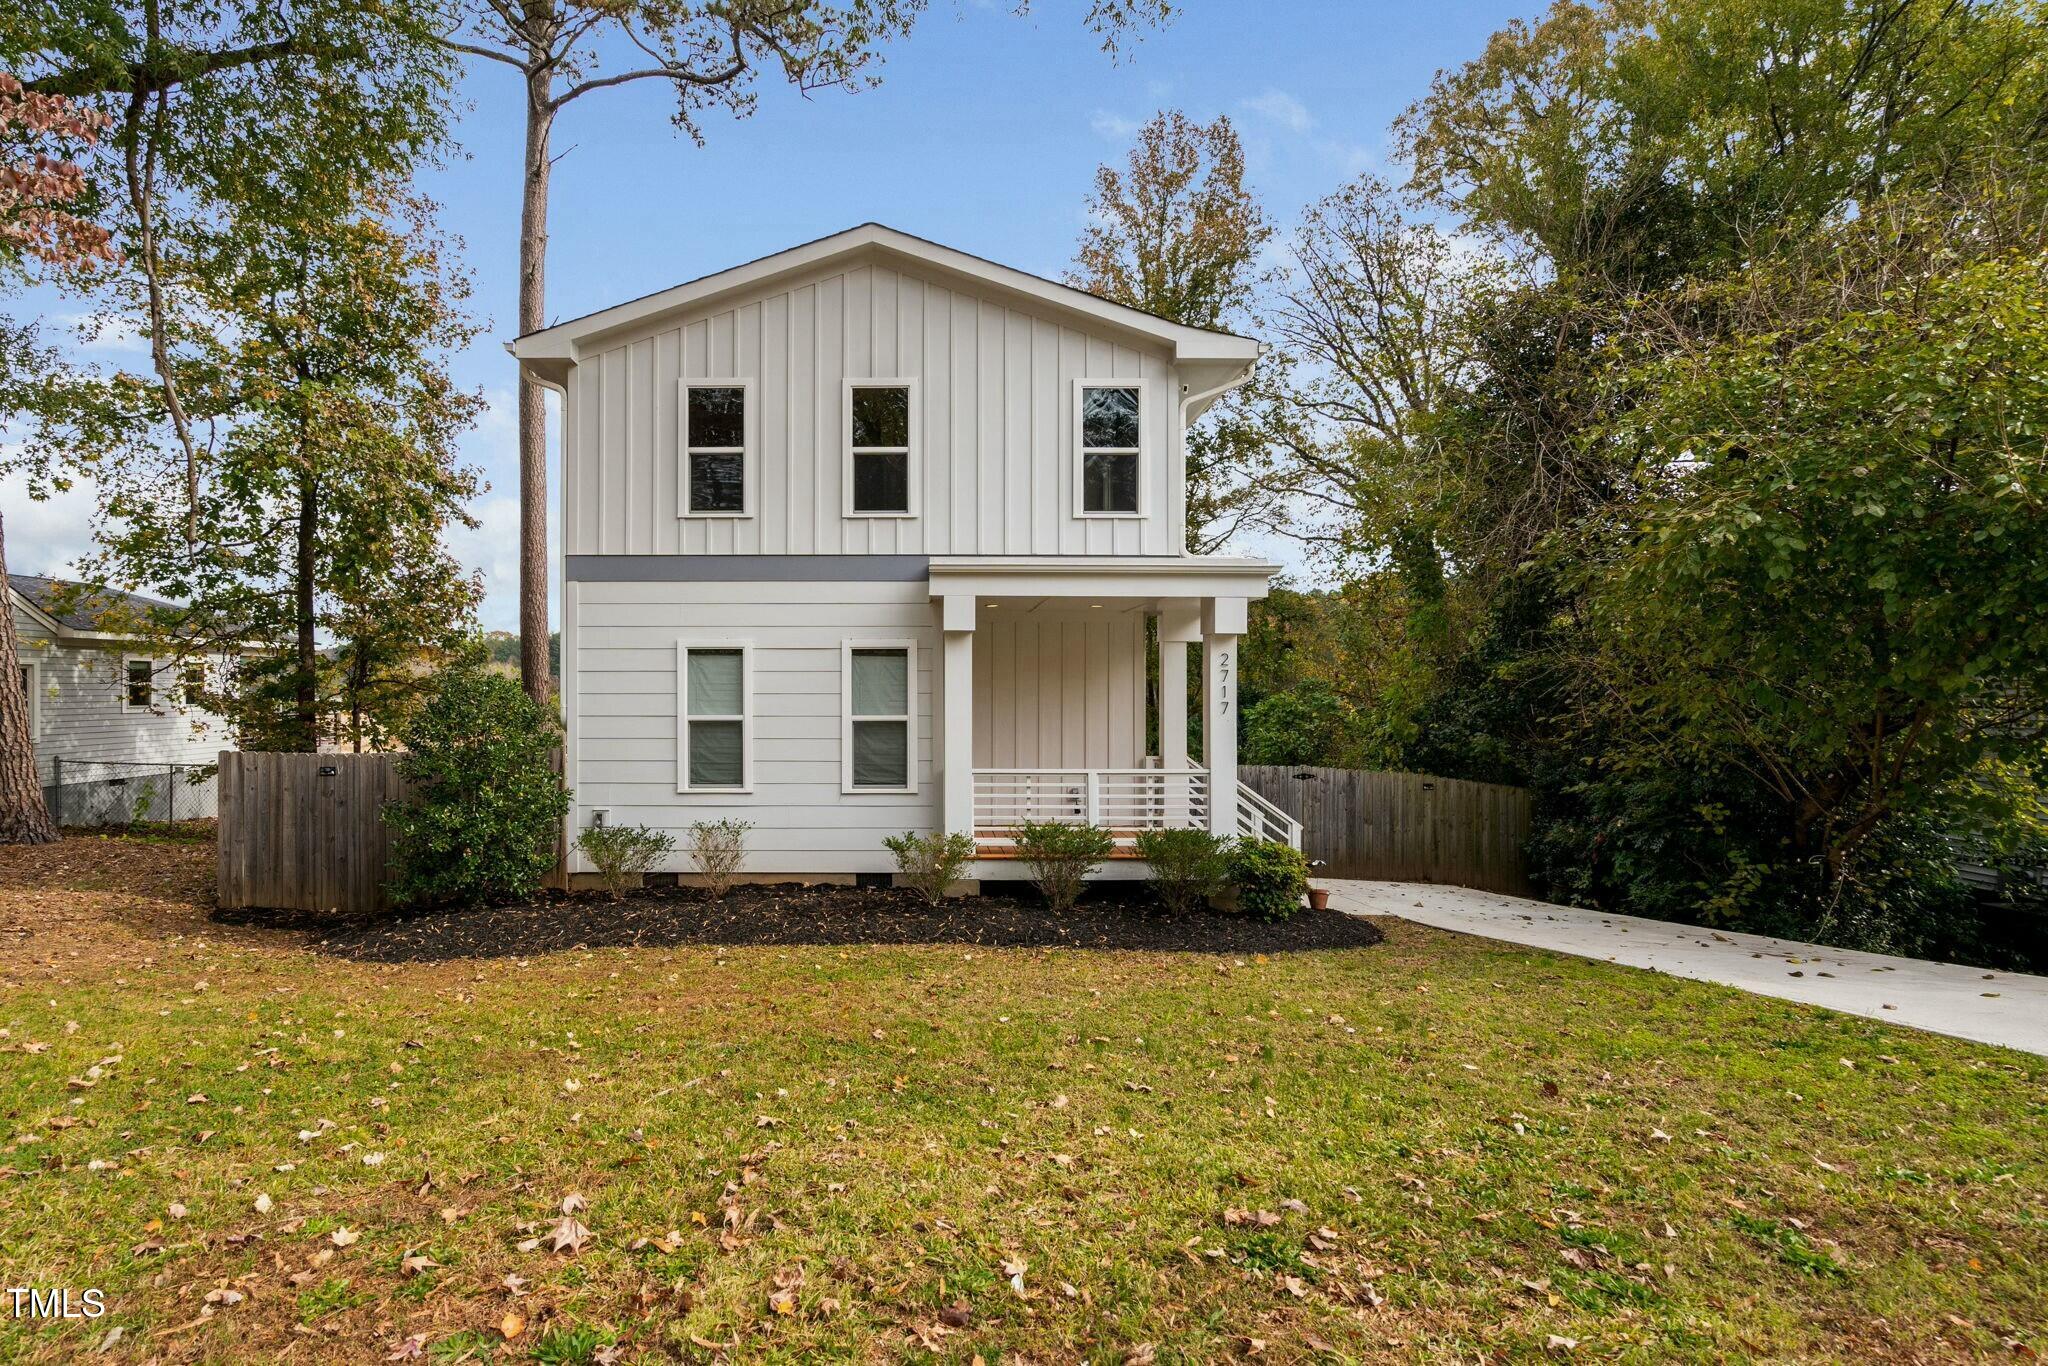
(1107, 918)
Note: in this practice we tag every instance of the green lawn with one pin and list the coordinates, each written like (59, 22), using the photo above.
(1433, 1148)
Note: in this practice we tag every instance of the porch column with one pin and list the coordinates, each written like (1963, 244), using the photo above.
(956, 724)
(1223, 623)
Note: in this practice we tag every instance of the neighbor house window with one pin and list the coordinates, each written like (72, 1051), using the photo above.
(192, 685)
(881, 448)
(1109, 449)
(715, 731)
(880, 741)
(32, 700)
(139, 685)
(715, 449)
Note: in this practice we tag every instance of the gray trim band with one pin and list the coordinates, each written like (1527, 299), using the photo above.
(746, 568)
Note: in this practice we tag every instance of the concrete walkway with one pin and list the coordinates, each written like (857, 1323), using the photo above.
(2006, 1008)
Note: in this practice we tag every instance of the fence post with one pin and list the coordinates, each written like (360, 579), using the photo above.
(171, 796)
(57, 786)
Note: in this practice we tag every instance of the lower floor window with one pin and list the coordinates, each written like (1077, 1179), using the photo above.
(878, 720)
(714, 717)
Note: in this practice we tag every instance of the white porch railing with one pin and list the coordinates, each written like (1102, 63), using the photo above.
(1125, 800)
(1259, 819)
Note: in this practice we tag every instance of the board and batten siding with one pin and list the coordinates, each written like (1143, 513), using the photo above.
(623, 748)
(1063, 690)
(995, 395)
(79, 711)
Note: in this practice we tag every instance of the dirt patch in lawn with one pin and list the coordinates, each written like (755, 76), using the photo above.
(1107, 918)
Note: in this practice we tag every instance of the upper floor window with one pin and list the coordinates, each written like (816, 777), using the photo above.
(715, 449)
(1110, 468)
(881, 449)
(139, 683)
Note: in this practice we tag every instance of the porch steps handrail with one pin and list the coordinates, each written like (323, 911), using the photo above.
(1261, 819)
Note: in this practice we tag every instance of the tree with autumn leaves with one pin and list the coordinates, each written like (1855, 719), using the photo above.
(40, 186)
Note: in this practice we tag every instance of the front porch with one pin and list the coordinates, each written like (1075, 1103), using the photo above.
(1047, 709)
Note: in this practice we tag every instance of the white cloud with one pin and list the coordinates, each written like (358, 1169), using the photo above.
(48, 536)
(108, 332)
(1115, 127)
(1279, 107)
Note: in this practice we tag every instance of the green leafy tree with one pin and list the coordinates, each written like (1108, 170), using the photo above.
(1837, 588)
(288, 468)
(1177, 233)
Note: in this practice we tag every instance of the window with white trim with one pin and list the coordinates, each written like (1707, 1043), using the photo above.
(1109, 451)
(881, 452)
(714, 448)
(31, 697)
(192, 685)
(714, 716)
(879, 739)
(138, 684)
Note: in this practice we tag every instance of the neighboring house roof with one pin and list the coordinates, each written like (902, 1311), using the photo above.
(80, 610)
(550, 350)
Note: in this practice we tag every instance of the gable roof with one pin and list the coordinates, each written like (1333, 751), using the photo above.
(554, 347)
(71, 608)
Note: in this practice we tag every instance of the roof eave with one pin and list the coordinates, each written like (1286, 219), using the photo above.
(561, 345)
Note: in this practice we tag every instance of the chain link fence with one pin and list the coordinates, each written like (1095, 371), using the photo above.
(84, 793)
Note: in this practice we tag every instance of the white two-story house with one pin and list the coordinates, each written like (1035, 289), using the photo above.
(864, 537)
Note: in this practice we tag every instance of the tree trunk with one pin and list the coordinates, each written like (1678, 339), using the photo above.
(306, 686)
(23, 817)
(533, 441)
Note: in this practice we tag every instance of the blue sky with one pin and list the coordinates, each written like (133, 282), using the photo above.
(984, 134)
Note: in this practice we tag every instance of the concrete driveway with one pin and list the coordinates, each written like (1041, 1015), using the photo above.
(2006, 1008)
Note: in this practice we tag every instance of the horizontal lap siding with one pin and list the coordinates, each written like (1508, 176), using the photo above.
(624, 714)
(995, 417)
(80, 690)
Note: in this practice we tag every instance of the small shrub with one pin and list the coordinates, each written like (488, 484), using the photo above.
(1061, 855)
(1188, 866)
(930, 862)
(1271, 878)
(485, 810)
(623, 852)
(718, 848)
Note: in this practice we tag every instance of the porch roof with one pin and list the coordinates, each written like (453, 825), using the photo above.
(1100, 577)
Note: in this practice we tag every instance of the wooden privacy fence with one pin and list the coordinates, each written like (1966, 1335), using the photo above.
(1404, 827)
(306, 831)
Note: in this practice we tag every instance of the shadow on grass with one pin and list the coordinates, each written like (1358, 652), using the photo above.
(1109, 917)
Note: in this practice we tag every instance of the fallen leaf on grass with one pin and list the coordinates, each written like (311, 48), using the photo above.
(263, 1203)
(411, 1349)
(568, 1235)
(342, 1237)
(416, 1264)
(512, 1325)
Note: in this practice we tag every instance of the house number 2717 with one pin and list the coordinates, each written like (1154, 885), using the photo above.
(1223, 683)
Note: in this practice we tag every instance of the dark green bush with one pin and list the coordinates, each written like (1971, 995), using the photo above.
(930, 863)
(485, 810)
(1188, 866)
(1271, 878)
(1061, 855)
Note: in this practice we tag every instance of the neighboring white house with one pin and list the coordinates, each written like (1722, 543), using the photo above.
(864, 537)
(103, 705)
